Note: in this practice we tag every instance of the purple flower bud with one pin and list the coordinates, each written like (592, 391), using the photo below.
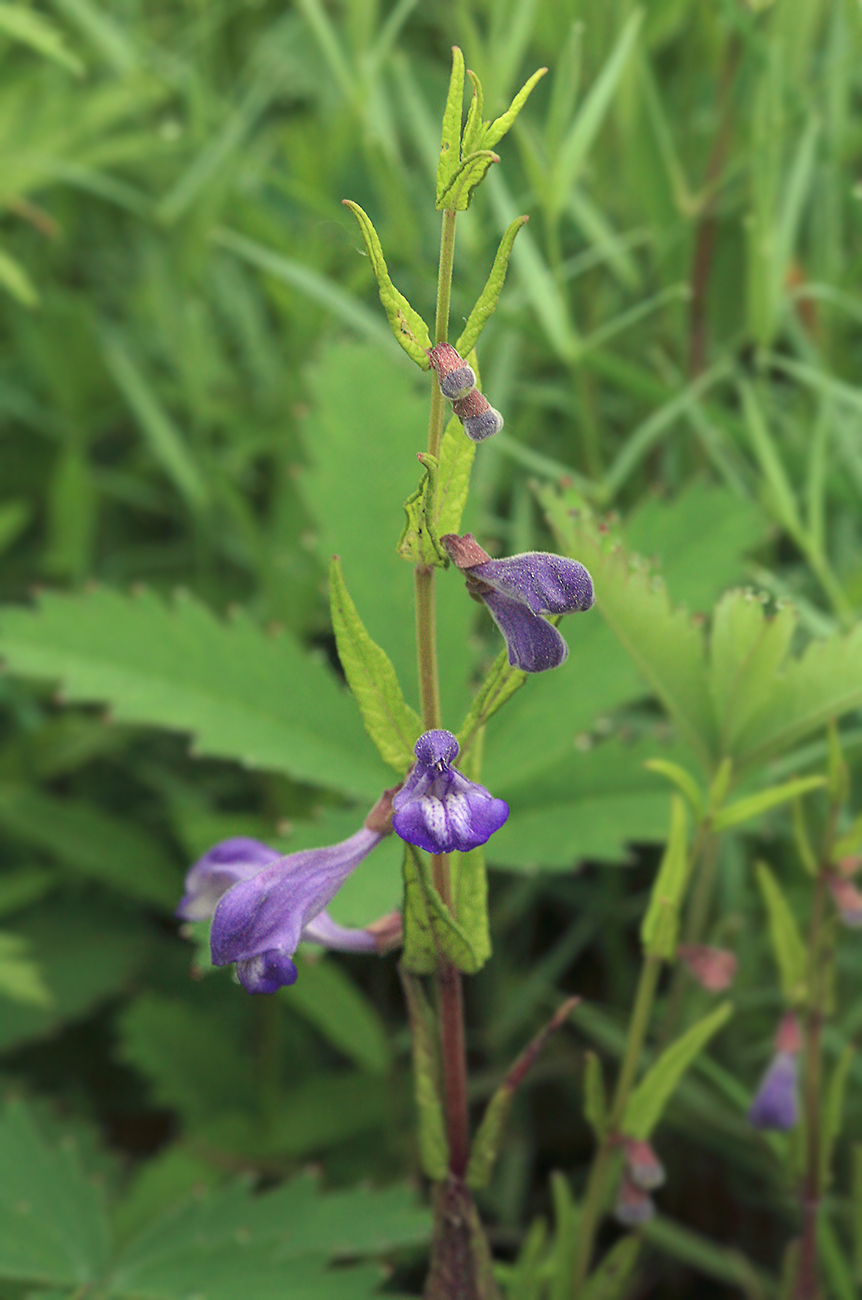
(437, 808)
(479, 427)
(634, 1205)
(264, 904)
(517, 591)
(644, 1167)
(775, 1104)
(847, 899)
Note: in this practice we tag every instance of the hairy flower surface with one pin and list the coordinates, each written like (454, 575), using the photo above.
(264, 904)
(775, 1104)
(437, 808)
(518, 591)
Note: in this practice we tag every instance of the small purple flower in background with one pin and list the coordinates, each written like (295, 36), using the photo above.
(845, 894)
(776, 1103)
(644, 1167)
(264, 904)
(713, 968)
(634, 1205)
(437, 808)
(517, 591)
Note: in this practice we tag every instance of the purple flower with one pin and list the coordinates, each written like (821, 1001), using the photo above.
(517, 591)
(776, 1104)
(263, 904)
(437, 808)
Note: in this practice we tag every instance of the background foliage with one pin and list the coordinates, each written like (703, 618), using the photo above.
(196, 388)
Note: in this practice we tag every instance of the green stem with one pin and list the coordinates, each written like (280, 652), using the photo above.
(595, 1194)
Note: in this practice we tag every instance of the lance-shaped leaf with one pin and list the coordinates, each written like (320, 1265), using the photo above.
(801, 839)
(499, 686)
(407, 325)
(646, 1104)
(489, 297)
(472, 171)
(450, 139)
(453, 477)
(431, 933)
(494, 131)
(744, 810)
(470, 895)
(419, 542)
(661, 923)
(474, 127)
(838, 775)
(682, 779)
(787, 943)
(833, 1112)
(609, 1280)
(486, 1143)
(433, 1143)
(595, 1102)
(389, 719)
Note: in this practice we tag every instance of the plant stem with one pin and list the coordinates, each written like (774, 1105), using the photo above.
(597, 1182)
(704, 854)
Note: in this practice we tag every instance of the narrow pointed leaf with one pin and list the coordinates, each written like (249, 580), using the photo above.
(833, 1112)
(407, 325)
(457, 453)
(498, 128)
(499, 686)
(787, 944)
(595, 1103)
(661, 923)
(450, 139)
(683, 781)
(647, 1102)
(430, 930)
(470, 890)
(459, 192)
(610, 1279)
(389, 719)
(433, 1143)
(474, 127)
(419, 542)
(489, 297)
(744, 810)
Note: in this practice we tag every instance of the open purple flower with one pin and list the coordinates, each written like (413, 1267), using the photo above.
(437, 808)
(776, 1103)
(264, 904)
(518, 591)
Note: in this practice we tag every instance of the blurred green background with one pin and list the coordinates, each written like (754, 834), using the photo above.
(199, 393)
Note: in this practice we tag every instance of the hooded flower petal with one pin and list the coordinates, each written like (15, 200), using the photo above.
(775, 1104)
(437, 808)
(327, 933)
(218, 870)
(518, 590)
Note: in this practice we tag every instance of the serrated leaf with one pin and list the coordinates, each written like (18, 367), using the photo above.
(661, 922)
(682, 779)
(487, 301)
(833, 1112)
(746, 651)
(470, 173)
(788, 947)
(648, 1100)
(743, 810)
(389, 719)
(20, 977)
(595, 1103)
(499, 127)
(328, 998)
(430, 930)
(241, 693)
(433, 1142)
(608, 1281)
(450, 140)
(664, 643)
(457, 452)
(53, 1227)
(405, 322)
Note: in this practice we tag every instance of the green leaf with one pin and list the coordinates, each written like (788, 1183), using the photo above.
(419, 542)
(406, 324)
(499, 686)
(838, 776)
(16, 281)
(683, 781)
(457, 452)
(430, 930)
(389, 720)
(328, 998)
(33, 29)
(20, 977)
(470, 899)
(595, 1103)
(488, 1139)
(661, 922)
(487, 301)
(53, 1228)
(92, 842)
(450, 140)
(459, 192)
(833, 1113)
(433, 1142)
(744, 810)
(608, 1281)
(788, 946)
(664, 643)
(648, 1100)
(241, 693)
(747, 650)
(495, 131)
